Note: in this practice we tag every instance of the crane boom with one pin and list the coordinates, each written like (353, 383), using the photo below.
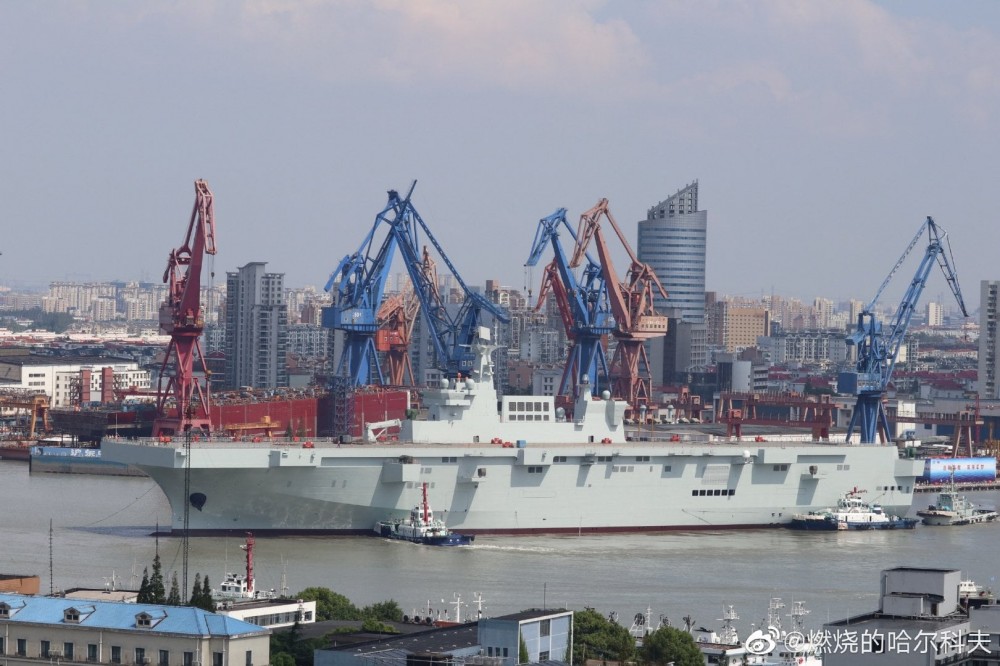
(182, 403)
(631, 304)
(451, 335)
(878, 346)
(360, 280)
(583, 306)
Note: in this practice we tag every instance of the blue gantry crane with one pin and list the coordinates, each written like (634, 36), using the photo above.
(452, 329)
(878, 346)
(583, 305)
(360, 281)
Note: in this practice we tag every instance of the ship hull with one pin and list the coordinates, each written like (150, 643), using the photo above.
(546, 489)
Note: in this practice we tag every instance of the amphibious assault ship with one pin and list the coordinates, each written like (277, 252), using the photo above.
(526, 468)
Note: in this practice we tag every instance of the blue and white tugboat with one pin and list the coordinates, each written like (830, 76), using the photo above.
(422, 527)
(852, 513)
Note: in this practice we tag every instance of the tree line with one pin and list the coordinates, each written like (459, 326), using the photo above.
(152, 590)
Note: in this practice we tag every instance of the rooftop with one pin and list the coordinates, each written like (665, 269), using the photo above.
(63, 360)
(122, 616)
(876, 623)
(437, 640)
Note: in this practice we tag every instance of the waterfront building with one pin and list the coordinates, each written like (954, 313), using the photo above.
(270, 613)
(58, 630)
(256, 328)
(70, 380)
(545, 634)
(989, 360)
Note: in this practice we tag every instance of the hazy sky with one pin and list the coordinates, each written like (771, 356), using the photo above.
(822, 133)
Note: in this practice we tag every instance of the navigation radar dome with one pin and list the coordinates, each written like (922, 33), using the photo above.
(560, 413)
(443, 383)
(605, 395)
(470, 383)
(585, 379)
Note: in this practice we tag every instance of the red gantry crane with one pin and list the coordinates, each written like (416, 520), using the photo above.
(183, 403)
(395, 318)
(632, 305)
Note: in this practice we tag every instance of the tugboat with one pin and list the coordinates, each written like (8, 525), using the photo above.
(954, 509)
(422, 527)
(852, 513)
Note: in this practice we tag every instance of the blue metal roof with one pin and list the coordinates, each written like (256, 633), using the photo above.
(122, 616)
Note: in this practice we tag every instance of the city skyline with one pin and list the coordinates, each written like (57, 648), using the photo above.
(822, 134)
(119, 300)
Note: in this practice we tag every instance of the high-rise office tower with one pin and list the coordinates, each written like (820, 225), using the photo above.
(672, 239)
(989, 362)
(256, 328)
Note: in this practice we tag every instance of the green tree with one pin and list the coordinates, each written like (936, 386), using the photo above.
(56, 322)
(596, 637)
(206, 595)
(329, 604)
(371, 625)
(522, 651)
(201, 595)
(387, 611)
(157, 593)
(143, 596)
(283, 644)
(282, 659)
(174, 598)
(667, 644)
(196, 592)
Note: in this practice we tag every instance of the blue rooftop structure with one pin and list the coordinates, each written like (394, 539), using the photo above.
(15, 608)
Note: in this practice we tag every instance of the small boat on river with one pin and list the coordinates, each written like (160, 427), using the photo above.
(422, 527)
(851, 513)
(953, 508)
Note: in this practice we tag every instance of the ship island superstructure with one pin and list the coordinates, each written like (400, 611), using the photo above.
(520, 470)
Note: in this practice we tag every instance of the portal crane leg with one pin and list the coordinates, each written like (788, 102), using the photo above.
(359, 360)
(870, 418)
(630, 379)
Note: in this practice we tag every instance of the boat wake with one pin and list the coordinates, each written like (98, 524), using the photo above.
(508, 548)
